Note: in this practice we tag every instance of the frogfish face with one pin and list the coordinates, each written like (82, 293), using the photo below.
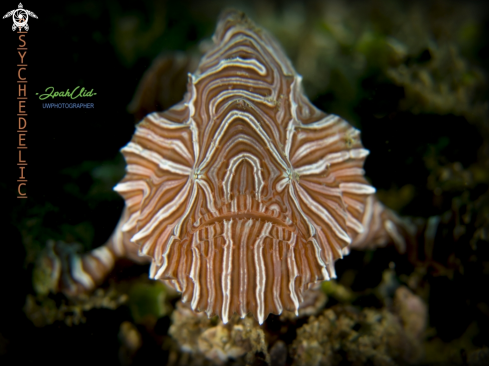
(244, 194)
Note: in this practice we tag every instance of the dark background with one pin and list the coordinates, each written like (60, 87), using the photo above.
(73, 158)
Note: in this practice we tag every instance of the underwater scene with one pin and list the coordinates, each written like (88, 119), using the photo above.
(275, 183)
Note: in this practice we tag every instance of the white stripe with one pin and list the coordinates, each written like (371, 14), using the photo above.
(309, 147)
(117, 239)
(260, 272)
(191, 122)
(277, 273)
(358, 153)
(334, 158)
(182, 272)
(163, 213)
(253, 123)
(325, 163)
(162, 122)
(149, 207)
(210, 272)
(133, 201)
(79, 274)
(165, 143)
(234, 82)
(357, 206)
(292, 98)
(312, 230)
(190, 204)
(195, 139)
(357, 188)
(327, 250)
(354, 224)
(264, 48)
(194, 273)
(324, 215)
(236, 62)
(235, 95)
(226, 275)
(292, 271)
(232, 167)
(139, 170)
(367, 218)
(149, 247)
(104, 255)
(243, 277)
(156, 158)
(326, 122)
(131, 223)
(288, 140)
(316, 168)
(208, 194)
(325, 190)
(282, 183)
(177, 228)
(162, 269)
(348, 172)
(135, 185)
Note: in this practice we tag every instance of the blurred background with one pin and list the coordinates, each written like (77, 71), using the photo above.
(412, 76)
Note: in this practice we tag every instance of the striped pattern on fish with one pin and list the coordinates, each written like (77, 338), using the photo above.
(239, 193)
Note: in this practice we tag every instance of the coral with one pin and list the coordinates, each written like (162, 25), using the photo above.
(187, 327)
(358, 336)
(218, 342)
(314, 301)
(444, 84)
(43, 310)
(146, 300)
(341, 45)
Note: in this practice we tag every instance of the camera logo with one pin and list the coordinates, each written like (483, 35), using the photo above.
(20, 17)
